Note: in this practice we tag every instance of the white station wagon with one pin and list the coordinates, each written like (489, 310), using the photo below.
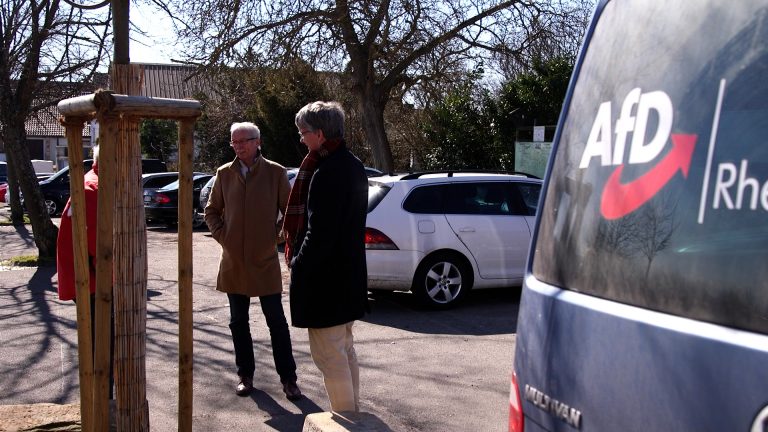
(440, 234)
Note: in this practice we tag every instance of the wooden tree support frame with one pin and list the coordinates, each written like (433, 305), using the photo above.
(118, 117)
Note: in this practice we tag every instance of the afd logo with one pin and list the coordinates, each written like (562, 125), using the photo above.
(736, 185)
(608, 144)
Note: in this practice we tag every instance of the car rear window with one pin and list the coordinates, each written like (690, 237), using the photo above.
(425, 199)
(658, 195)
(197, 182)
(476, 197)
(376, 192)
(487, 198)
(157, 182)
(529, 193)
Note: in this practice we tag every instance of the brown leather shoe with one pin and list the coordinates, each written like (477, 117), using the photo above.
(244, 387)
(291, 390)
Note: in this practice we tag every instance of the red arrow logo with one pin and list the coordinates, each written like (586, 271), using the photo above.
(622, 199)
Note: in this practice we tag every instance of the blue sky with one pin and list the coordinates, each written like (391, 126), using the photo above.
(158, 46)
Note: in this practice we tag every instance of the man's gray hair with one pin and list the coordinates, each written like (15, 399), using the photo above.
(325, 116)
(246, 126)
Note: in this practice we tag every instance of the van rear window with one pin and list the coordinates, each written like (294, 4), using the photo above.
(658, 195)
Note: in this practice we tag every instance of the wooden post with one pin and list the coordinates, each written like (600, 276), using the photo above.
(120, 201)
(186, 205)
(130, 265)
(74, 127)
(108, 137)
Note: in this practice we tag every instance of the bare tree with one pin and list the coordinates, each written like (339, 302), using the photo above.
(384, 47)
(618, 237)
(656, 224)
(543, 40)
(49, 50)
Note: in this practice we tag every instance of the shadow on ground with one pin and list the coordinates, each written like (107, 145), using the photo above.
(483, 312)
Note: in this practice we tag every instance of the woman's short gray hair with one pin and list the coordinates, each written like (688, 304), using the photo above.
(325, 116)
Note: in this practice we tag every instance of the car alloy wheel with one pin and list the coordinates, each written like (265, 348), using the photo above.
(197, 219)
(51, 207)
(442, 280)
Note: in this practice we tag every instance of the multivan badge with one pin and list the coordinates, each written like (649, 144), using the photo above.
(553, 406)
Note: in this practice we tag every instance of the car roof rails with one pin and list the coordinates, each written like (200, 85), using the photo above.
(450, 173)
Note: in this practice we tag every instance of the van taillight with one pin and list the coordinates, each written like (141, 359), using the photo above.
(515, 407)
(375, 239)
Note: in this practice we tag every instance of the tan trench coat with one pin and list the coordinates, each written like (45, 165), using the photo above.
(242, 215)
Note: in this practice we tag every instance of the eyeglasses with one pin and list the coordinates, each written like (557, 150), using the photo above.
(241, 142)
(304, 132)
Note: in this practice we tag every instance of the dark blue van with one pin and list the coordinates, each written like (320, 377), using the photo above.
(645, 302)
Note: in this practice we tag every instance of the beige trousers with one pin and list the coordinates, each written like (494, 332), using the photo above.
(334, 354)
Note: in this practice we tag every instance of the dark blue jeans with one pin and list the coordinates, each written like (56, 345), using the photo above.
(282, 351)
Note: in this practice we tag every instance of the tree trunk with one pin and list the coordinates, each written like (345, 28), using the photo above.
(372, 109)
(12, 196)
(43, 230)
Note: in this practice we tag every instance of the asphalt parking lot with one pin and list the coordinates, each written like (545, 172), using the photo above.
(420, 370)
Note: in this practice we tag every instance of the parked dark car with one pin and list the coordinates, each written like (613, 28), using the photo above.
(205, 192)
(55, 189)
(157, 180)
(3, 172)
(3, 180)
(161, 205)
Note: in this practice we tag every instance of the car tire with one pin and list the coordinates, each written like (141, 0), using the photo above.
(198, 221)
(442, 280)
(52, 207)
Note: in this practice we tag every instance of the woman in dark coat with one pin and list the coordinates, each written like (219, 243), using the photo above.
(325, 248)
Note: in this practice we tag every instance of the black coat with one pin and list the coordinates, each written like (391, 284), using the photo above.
(329, 279)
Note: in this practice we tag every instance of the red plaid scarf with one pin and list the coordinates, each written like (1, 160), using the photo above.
(295, 211)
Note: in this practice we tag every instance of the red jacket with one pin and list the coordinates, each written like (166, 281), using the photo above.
(65, 260)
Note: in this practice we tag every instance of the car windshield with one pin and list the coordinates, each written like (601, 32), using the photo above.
(62, 172)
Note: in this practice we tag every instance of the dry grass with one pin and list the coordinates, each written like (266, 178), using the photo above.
(28, 261)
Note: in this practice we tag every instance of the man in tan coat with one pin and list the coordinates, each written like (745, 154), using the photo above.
(241, 213)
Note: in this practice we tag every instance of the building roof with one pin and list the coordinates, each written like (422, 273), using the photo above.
(45, 121)
(160, 80)
(172, 81)
(46, 124)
